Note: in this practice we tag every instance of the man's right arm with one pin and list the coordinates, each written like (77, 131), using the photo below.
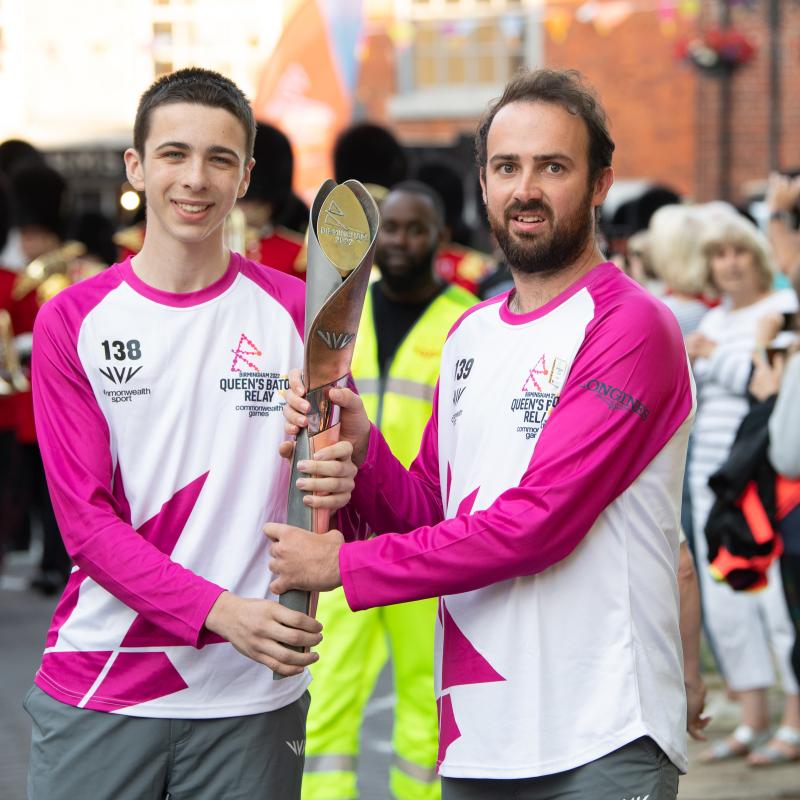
(92, 512)
(376, 499)
(689, 593)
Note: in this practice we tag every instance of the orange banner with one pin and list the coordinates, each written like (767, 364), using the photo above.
(302, 92)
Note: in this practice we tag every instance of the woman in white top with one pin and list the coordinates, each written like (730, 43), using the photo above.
(744, 627)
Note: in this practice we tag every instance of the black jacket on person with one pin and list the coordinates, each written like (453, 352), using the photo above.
(741, 526)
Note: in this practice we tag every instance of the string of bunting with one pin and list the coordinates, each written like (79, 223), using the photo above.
(558, 17)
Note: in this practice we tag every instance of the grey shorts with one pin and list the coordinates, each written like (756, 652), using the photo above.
(637, 770)
(81, 753)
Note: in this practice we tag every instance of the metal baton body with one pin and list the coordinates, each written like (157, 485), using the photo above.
(341, 246)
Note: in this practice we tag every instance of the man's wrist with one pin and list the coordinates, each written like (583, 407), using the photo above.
(218, 615)
(692, 677)
(361, 449)
(335, 568)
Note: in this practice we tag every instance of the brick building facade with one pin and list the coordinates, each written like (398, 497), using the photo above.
(750, 105)
(664, 114)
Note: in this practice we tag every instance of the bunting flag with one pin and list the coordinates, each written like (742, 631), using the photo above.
(611, 15)
(401, 32)
(307, 86)
(604, 15)
(557, 22)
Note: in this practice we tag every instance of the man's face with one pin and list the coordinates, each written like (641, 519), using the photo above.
(194, 167)
(536, 186)
(408, 238)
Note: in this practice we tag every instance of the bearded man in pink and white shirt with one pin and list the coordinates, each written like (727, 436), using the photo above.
(543, 505)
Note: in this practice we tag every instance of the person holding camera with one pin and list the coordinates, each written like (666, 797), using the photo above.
(743, 627)
(776, 379)
(783, 194)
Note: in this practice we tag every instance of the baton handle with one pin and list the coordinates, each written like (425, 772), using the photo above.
(302, 516)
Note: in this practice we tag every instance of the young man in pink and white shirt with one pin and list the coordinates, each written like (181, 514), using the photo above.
(543, 507)
(157, 389)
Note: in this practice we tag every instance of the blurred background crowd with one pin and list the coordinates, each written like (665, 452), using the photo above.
(705, 213)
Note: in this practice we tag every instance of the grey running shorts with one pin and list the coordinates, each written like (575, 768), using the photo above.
(638, 771)
(81, 753)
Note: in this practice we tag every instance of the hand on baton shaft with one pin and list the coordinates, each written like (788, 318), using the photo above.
(330, 475)
(302, 559)
(354, 423)
(261, 629)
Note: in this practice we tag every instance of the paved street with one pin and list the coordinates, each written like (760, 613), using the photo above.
(23, 620)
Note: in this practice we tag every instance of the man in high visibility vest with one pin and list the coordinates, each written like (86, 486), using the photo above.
(406, 318)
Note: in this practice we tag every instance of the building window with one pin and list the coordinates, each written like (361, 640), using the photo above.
(461, 52)
(162, 34)
(465, 6)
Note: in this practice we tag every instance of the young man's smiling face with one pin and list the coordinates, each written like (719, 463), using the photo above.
(194, 167)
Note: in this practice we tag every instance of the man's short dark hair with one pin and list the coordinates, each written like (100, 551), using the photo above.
(199, 86)
(565, 88)
(422, 189)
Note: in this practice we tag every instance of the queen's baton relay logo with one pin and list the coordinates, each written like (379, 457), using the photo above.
(538, 395)
(258, 393)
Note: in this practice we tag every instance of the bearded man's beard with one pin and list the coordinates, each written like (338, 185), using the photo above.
(548, 251)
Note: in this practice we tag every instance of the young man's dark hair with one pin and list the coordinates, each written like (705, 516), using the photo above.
(371, 154)
(565, 88)
(194, 85)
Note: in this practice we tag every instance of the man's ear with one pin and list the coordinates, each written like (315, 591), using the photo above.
(134, 169)
(482, 178)
(602, 185)
(245, 182)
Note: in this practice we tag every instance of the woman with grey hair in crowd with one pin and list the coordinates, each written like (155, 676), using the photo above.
(744, 627)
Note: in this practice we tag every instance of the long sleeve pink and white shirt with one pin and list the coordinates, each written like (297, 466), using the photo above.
(159, 418)
(543, 509)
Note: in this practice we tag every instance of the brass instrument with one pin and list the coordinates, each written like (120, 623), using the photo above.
(47, 276)
(56, 262)
(131, 238)
(235, 231)
(12, 378)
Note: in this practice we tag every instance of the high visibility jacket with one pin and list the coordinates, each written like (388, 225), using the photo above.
(355, 645)
(400, 403)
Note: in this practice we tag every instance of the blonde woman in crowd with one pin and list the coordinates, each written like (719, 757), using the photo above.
(673, 247)
(744, 627)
